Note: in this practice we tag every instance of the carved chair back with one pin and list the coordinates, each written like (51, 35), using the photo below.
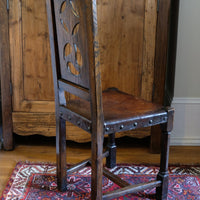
(75, 56)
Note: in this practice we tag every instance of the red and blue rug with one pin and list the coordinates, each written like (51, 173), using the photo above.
(33, 181)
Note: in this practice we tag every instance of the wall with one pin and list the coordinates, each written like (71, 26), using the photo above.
(187, 81)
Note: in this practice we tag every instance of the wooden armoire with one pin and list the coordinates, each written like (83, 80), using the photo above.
(138, 48)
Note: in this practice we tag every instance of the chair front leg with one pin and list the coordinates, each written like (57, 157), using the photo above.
(111, 147)
(61, 154)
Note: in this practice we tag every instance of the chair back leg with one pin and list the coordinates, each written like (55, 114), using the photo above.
(97, 165)
(61, 154)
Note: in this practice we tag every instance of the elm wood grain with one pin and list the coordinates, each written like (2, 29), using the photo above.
(5, 77)
(15, 34)
(114, 108)
(148, 55)
(128, 24)
(35, 52)
(135, 19)
(30, 60)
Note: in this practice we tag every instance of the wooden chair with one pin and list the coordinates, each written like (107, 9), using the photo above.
(76, 70)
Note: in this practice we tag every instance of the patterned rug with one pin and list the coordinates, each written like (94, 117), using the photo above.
(38, 181)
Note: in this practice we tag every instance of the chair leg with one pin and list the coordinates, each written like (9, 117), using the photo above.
(61, 154)
(97, 166)
(111, 147)
(163, 175)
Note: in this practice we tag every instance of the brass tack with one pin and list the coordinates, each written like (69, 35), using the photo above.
(122, 126)
(107, 128)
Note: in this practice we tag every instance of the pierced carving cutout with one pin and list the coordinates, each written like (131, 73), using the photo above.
(75, 29)
(74, 8)
(67, 50)
(69, 16)
(64, 25)
(78, 56)
(63, 7)
(72, 69)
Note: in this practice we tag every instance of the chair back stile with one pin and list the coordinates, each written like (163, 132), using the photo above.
(53, 43)
(95, 72)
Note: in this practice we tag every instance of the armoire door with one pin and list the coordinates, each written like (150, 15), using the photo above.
(31, 74)
(127, 30)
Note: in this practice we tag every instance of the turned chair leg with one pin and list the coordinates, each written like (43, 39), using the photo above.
(163, 175)
(61, 155)
(111, 147)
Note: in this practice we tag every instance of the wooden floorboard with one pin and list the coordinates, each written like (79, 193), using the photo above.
(42, 149)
